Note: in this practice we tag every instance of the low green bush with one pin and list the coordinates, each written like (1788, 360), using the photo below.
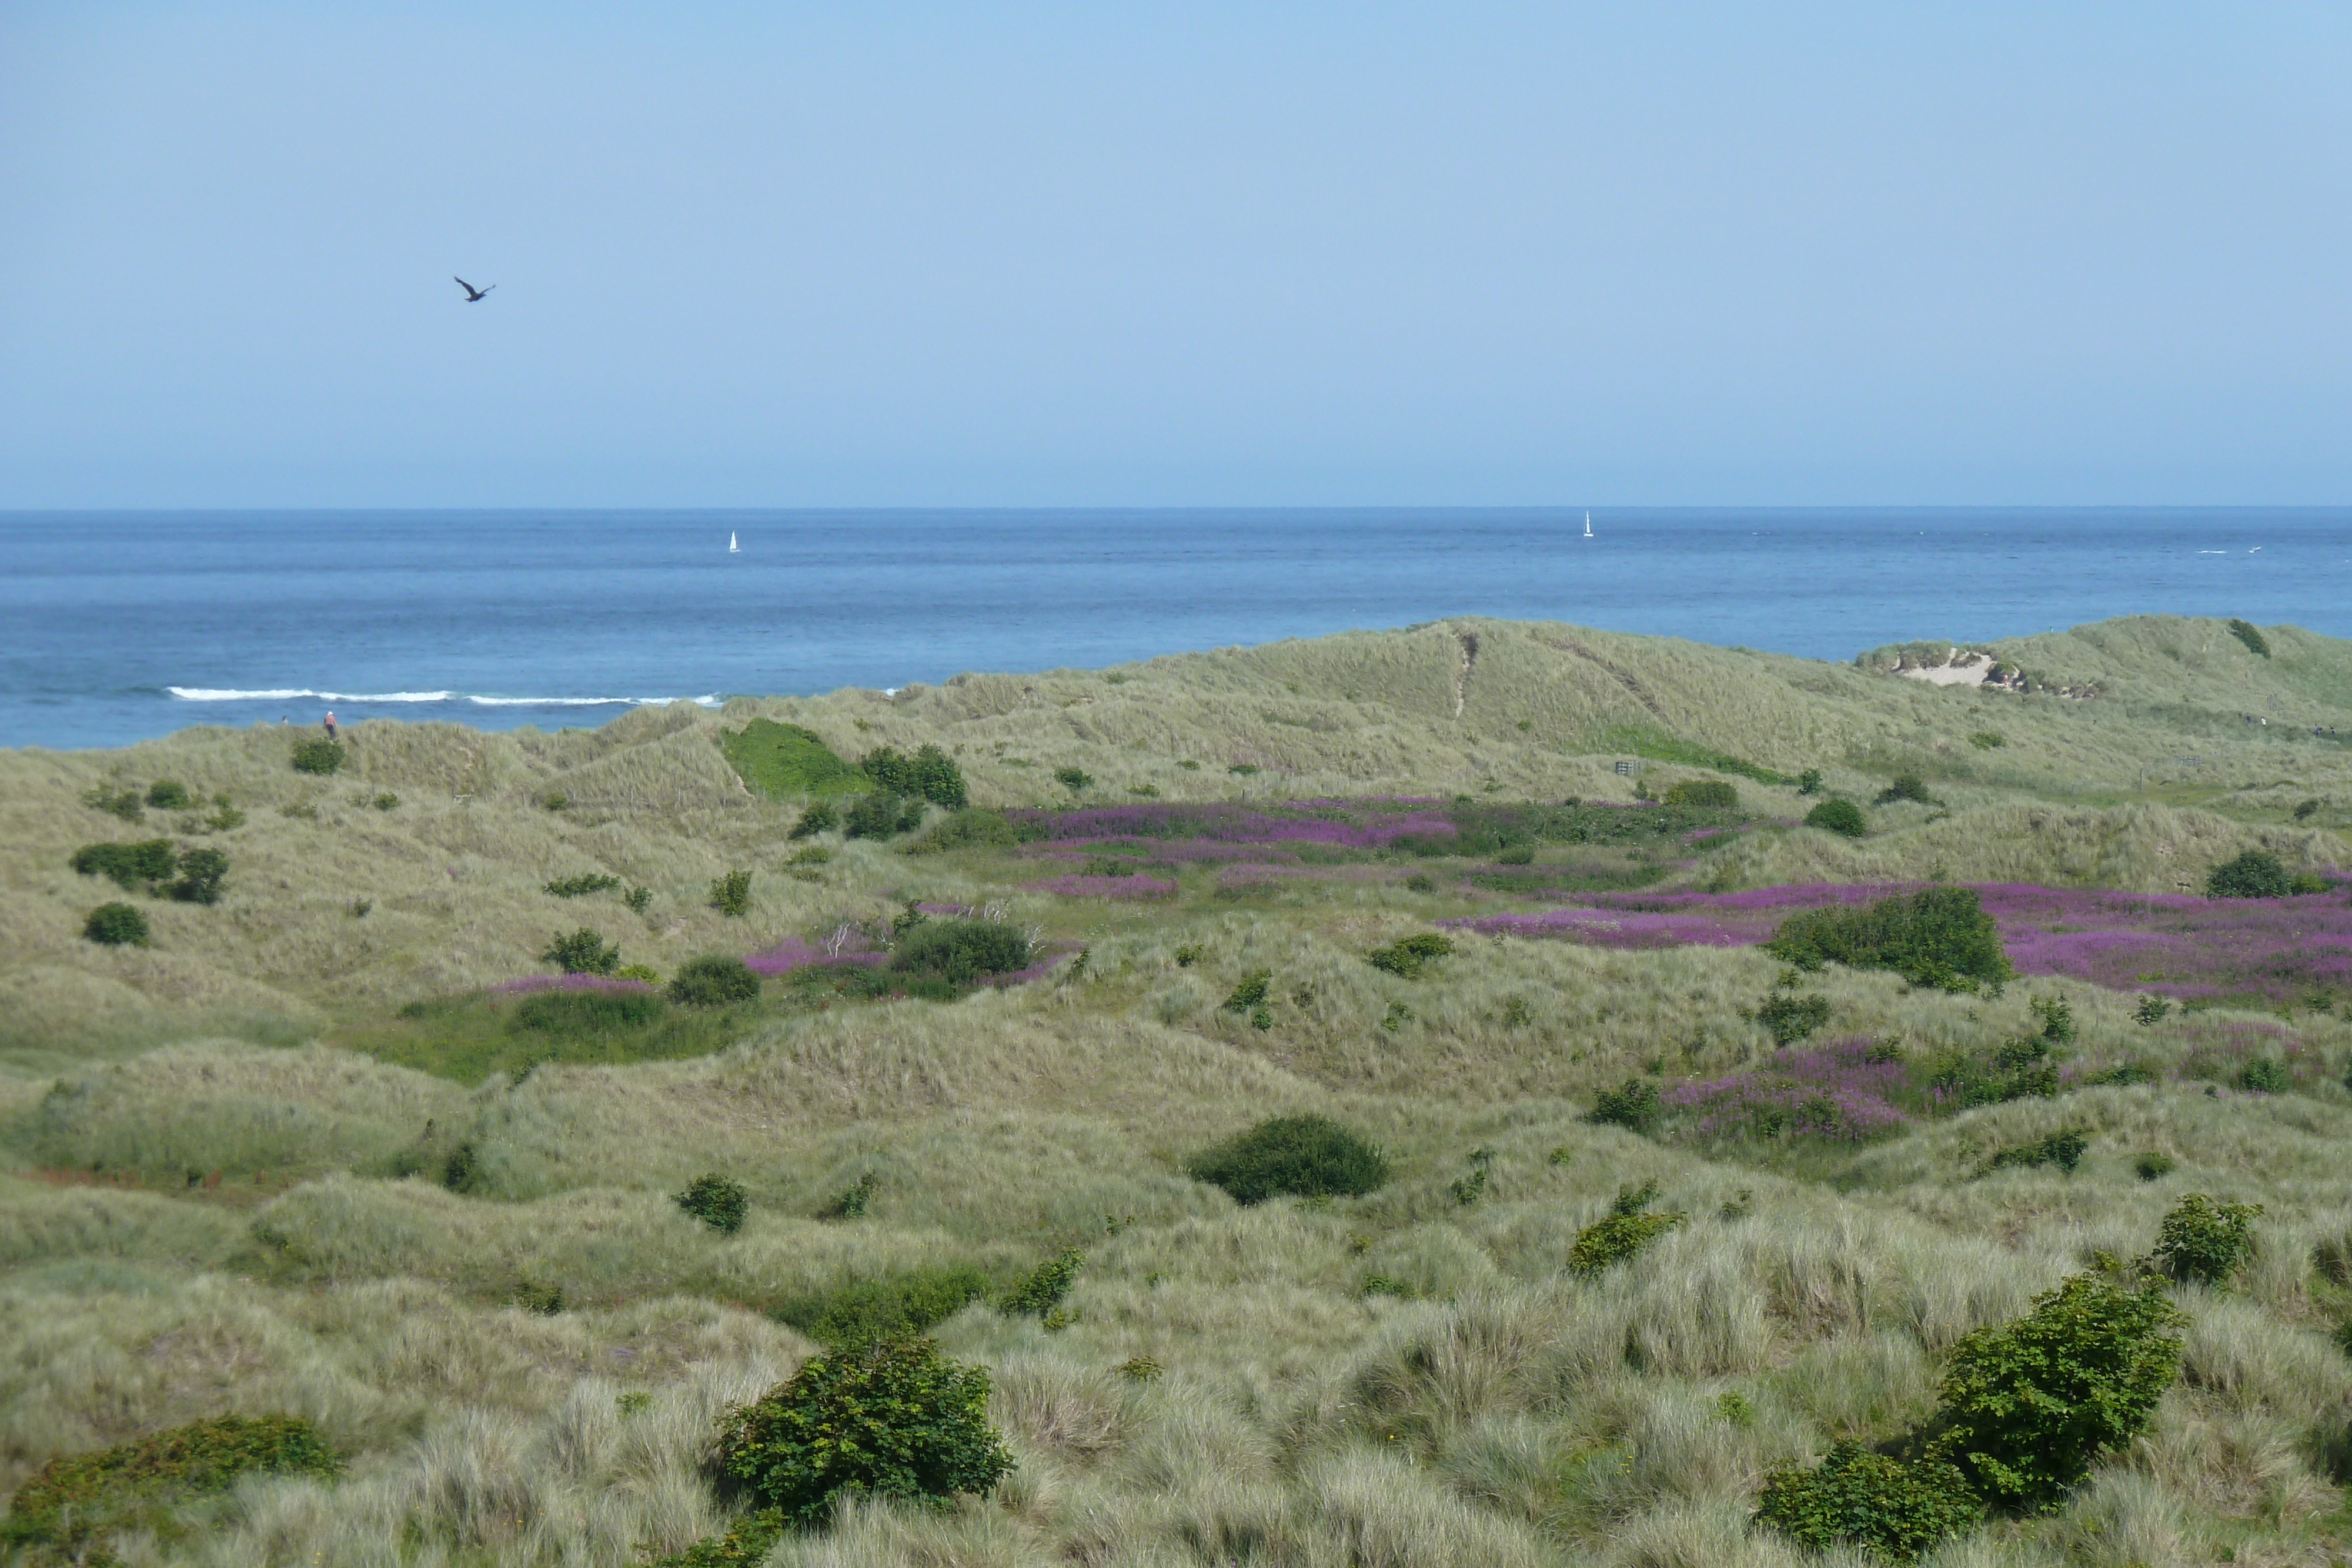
(820, 818)
(2245, 632)
(2151, 1010)
(1520, 855)
(1704, 795)
(1791, 1018)
(2305, 882)
(858, 1312)
(1937, 937)
(122, 803)
(717, 1201)
(316, 756)
(1625, 1232)
(169, 795)
(972, 828)
(1838, 815)
(129, 866)
(1408, 955)
(2028, 1404)
(731, 895)
(202, 872)
(959, 950)
(583, 952)
(929, 775)
(2204, 1240)
(1988, 740)
(116, 925)
(2264, 1075)
(1250, 993)
(1808, 782)
(584, 885)
(2150, 1166)
(2062, 1149)
(891, 1420)
(2253, 874)
(1633, 1105)
(585, 1013)
(1893, 1509)
(714, 980)
(72, 1504)
(852, 1201)
(1043, 1288)
(882, 815)
(1076, 780)
(1906, 787)
(1301, 1156)
(638, 899)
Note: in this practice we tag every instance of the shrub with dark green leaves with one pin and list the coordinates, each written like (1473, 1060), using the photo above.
(72, 1504)
(316, 756)
(1906, 787)
(891, 1420)
(116, 925)
(1633, 1105)
(1792, 1017)
(1408, 955)
(1043, 1288)
(1937, 937)
(2245, 632)
(585, 1013)
(1808, 782)
(1704, 795)
(820, 818)
(929, 775)
(717, 1201)
(714, 980)
(882, 815)
(731, 895)
(2255, 875)
(2062, 1149)
(1251, 993)
(122, 803)
(851, 1202)
(583, 952)
(1302, 1156)
(2204, 1240)
(584, 885)
(1838, 815)
(202, 872)
(960, 951)
(857, 1311)
(1628, 1229)
(2150, 1166)
(129, 866)
(2028, 1405)
(746, 1544)
(1895, 1510)
(2265, 1075)
(2151, 1010)
(1078, 780)
(972, 828)
(169, 795)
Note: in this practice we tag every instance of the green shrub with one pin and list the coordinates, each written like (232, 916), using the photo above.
(168, 795)
(547, 1300)
(1792, 1017)
(1627, 1230)
(1408, 955)
(1522, 855)
(129, 866)
(582, 885)
(122, 803)
(2151, 1010)
(2253, 874)
(1633, 1106)
(316, 756)
(851, 1202)
(1043, 1288)
(1190, 953)
(555, 800)
(972, 828)
(2245, 632)
(716, 1201)
(820, 818)
(960, 951)
(2264, 1075)
(1937, 937)
(783, 761)
(1892, 1509)
(226, 817)
(1988, 740)
(892, 1419)
(747, 1544)
(585, 1013)
(731, 895)
(929, 775)
(1303, 1157)
(71, 1502)
(202, 871)
(714, 980)
(858, 1312)
(2204, 1241)
(1704, 795)
(2062, 1149)
(2305, 882)
(388, 801)
(1078, 780)
(583, 952)
(1838, 815)
(2029, 1404)
(2152, 1165)
(1243, 770)
(1251, 992)
(638, 899)
(1808, 782)
(116, 925)
(1906, 787)
(882, 816)
(2057, 1017)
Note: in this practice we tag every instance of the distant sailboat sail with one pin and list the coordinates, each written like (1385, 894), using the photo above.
(732, 548)
(1588, 525)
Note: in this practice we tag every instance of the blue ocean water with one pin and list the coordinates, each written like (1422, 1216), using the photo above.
(117, 626)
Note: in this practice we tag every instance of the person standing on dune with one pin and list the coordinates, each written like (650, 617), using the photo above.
(331, 724)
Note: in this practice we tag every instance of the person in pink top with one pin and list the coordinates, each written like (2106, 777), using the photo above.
(331, 725)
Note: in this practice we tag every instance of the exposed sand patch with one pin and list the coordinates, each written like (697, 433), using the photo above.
(1969, 670)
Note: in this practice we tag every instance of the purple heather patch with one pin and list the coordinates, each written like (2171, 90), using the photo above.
(792, 954)
(1832, 1091)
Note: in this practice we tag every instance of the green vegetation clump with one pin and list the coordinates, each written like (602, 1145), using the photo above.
(1988, 740)
(731, 895)
(1792, 1017)
(2247, 632)
(583, 952)
(1078, 780)
(1633, 1105)
(316, 756)
(714, 980)
(1299, 1156)
(202, 872)
(2253, 874)
(783, 761)
(2203, 1241)
(2151, 1010)
(972, 828)
(2029, 1404)
(2062, 1149)
(169, 795)
(1043, 1288)
(1407, 957)
(929, 775)
(1896, 1510)
(582, 885)
(820, 818)
(1808, 782)
(717, 1201)
(2150, 1166)
(851, 1202)
(586, 1012)
(1838, 815)
(1627, 1230)
(2265, 1075)
(1250, 993)
(1937, 937)
(70, 1504)
(960, 951)
(882, 815)
(858, 1312)
(129, 866)
(891, 1420)
(1704, 795)
(122, 803)
(1906, 787)
(116, 925)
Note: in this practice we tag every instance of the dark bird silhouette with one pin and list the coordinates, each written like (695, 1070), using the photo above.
(472, 293)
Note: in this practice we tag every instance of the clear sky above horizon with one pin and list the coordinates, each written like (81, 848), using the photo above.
(1204, 254)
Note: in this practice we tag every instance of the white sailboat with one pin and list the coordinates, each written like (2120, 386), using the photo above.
(732, 548)
(1588, 525)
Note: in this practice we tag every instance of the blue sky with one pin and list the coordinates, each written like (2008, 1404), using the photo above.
(1186, 254)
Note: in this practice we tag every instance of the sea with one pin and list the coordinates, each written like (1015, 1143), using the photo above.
(117, 626)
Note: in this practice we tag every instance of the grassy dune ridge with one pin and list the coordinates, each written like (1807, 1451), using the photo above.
(232, 1195)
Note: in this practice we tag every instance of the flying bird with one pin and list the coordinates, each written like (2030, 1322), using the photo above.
(472, 293)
